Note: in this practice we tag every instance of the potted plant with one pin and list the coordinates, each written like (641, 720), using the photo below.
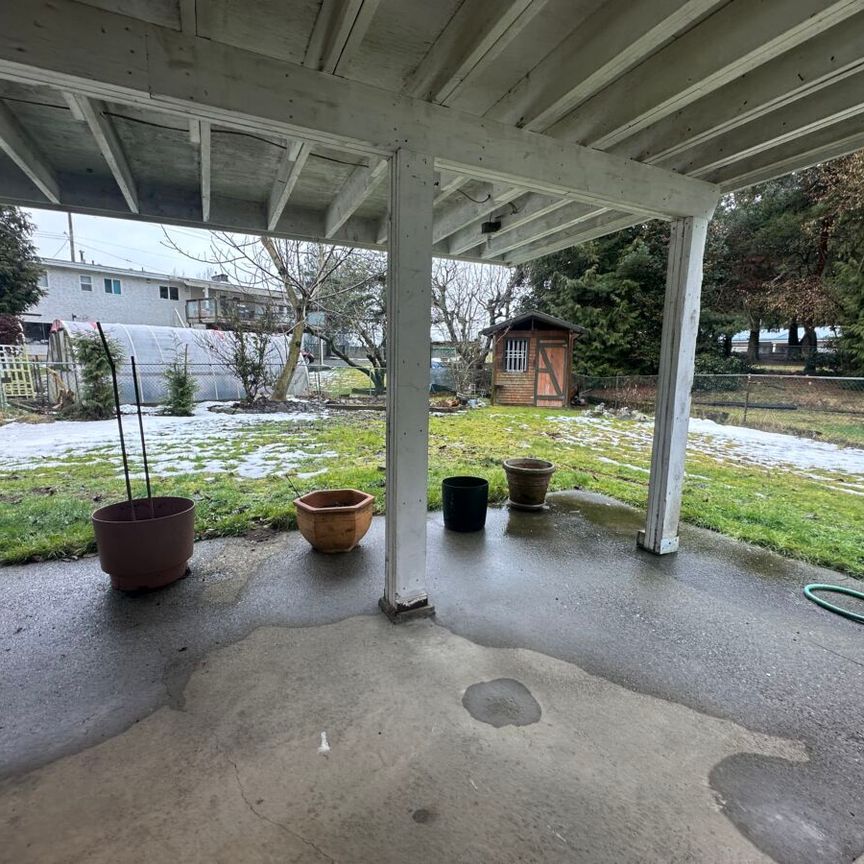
(464, 501)
(527, 482)
(143, 543)
(334, 520)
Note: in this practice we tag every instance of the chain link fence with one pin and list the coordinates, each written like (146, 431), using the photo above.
(42, 384)
(816, 406)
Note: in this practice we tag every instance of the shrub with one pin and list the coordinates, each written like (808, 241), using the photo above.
(181, 389)
(711, 365)
(96, 396)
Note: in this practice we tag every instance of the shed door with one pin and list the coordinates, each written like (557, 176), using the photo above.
(551, 369)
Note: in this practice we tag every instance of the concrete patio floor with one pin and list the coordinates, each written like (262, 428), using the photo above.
(688, 708)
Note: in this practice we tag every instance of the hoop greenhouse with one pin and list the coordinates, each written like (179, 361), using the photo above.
(157, 348)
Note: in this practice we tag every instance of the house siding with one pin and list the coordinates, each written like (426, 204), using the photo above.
(139, 302)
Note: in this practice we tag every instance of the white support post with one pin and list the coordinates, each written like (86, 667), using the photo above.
(672, 414)
(409, 301)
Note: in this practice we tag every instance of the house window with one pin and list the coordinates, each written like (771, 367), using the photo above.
(86, 283)
(42, 281)
(169, 292)
(112, 286)
(516, 355)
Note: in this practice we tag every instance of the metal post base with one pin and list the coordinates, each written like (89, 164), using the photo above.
(397, 614)
(668, 545)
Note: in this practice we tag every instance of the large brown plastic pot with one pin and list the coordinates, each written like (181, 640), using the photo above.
(527, 482)
(150, 551)
(334, 520)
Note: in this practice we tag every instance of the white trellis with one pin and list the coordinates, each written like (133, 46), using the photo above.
(16, 374)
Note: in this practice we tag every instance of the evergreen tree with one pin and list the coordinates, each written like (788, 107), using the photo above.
(20, 267)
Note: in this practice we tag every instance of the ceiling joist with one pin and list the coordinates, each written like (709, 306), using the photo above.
(21, 149)
(236, 88)
(93, 113)
(362, 181)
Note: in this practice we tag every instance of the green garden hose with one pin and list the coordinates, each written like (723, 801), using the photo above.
(837, 589)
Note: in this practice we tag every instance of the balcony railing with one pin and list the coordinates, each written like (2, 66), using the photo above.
(228, 313)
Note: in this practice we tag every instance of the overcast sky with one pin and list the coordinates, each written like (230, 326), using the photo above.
(121, 243)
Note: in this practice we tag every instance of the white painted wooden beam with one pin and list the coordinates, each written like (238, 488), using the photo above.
(409, 302)
(617, 36)
(188, 16)
(817, 66)
(560, 219)
(287, 176)
(811, 67)
(382, 235)
(820, 146)
(482, 200)
(448, 184)
(362, 181)
(520, 212)
(474, 37)
(100, 196)
(741, 36)
(144, 64)
(824, 108)
(17, 144)
(598, 225)
(339, 29)
(204, 160)
(105, 135)
(674, 382)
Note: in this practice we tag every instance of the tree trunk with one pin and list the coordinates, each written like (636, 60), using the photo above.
(283, 382)
(793, 351)
(727, 344)
(808, 348)
(753, 342)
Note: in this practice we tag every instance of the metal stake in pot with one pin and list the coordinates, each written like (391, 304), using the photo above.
(141, 431)
(119, 418)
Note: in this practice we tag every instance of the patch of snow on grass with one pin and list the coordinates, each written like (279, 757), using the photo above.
(737, 444)
(202, 443)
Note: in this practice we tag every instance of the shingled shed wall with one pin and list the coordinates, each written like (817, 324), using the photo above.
(519, 388)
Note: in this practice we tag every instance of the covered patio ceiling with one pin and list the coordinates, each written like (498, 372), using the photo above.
(280, 116)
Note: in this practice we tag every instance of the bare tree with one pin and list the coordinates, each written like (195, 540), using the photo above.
(355, 306)
(287, 274)
(245, 348)
(465, 299)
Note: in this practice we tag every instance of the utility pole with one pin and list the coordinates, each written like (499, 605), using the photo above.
(71, 239)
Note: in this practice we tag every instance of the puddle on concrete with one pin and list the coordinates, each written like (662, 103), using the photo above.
(502, 702)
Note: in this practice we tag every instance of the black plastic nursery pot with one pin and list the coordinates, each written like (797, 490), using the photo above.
(464, 500)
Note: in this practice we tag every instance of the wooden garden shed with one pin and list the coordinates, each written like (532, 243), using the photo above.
(532, 360)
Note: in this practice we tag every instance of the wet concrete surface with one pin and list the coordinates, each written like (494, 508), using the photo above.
(502, 702)
(720, 628)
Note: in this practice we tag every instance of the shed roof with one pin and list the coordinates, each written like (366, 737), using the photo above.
(562, 120)
(519, 322)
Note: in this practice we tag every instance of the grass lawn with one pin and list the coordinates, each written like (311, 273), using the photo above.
(44, 511)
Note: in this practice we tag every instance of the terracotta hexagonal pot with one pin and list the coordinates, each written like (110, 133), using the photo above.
(149, 551)
(334, 520)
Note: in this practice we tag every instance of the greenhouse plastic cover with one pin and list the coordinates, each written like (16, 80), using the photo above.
(157, 348)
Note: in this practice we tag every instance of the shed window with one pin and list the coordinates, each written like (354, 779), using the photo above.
(112, 286)
(169, 292)
(42, 280)
(86, 282)
(516, 355)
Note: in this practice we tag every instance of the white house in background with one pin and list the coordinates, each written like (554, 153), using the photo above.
(775, 343)
(78, 291)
